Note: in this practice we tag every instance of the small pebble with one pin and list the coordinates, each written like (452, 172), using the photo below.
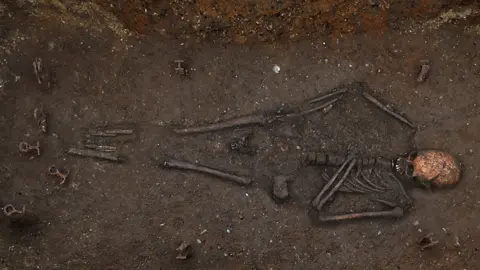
(276, 69)
(51, 45)
(457, 242)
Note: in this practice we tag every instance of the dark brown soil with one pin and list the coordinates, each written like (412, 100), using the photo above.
(134, 215)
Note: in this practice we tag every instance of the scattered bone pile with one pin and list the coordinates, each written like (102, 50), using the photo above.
(104, 143)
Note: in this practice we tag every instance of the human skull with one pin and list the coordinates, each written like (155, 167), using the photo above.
(430, 167)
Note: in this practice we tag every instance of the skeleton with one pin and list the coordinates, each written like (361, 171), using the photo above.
(354, 174)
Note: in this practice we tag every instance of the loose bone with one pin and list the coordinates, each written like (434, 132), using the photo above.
(384, 108)
(9, 210)
(177, 164)
(251, 120)
(395, 212)
(24, 147)
(54, 171)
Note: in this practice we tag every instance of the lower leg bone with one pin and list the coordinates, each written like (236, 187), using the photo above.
(248, 120)
(177, 164)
